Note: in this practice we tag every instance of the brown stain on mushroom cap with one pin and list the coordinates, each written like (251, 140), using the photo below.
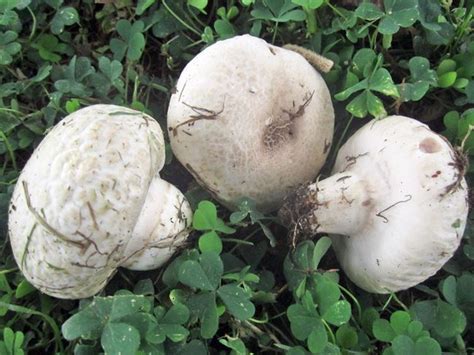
(429, 145)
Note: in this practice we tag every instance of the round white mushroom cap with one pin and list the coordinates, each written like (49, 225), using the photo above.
(90, 200)
(396, 205)
(249, 119)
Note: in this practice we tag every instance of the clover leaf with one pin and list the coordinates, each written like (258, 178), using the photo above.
(237, 345)
(90, 322)
(12, 342)
(164, 23)
(309, 4)
(405, 335)
(366, 75)
(131, 42)
(420, 80)
(398, 13)
(459, 291)
(142, 5)
(278, 11)
(439, 317)
(49, 48)
(438, 30)
(300, 267)
(8, 47)
(205, 218)
(170, 324)
(306, 324)
(108, 76)
(198, 4)
(66, 16)
(74, 76)
(120, 337)
(205, 275)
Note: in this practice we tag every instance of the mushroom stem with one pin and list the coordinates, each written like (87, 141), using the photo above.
(339, 204)
(321, 63)
(161, 227)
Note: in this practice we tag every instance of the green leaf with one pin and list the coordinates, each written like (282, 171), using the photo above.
(383, 331)
(381, 81)
(369, 316)
(368, 11)
(363, 61)
(460, 83)
(205, 217)
(120, 338)
(398, 13)
(204, 306)
(111, 69)
(236, 301)
(358, 105)
(430, 11)
(302, 321)
(338, 313)
(375, 106)
(446, 66)
(326, 293)
(235, 344)
(191, 274)
(177, 314)
(447, 79)
(142, 5)
(427, 345)
(318, 338)
(132, 41)
(8, 47)
(198, 4)
(205, 274)
(399, 321)
(212, 265)
(320, 249)
(23, 289)
(449, 289)
(421, 78)
(278, 11)
(210, 241)
(194, 347)
(344, 95)
(388, 26)
(144, 287)
(224, 29)
(49, 47)
(67, 16)
(309, 4)
(135, 46)
(414, 329)
(82, 324)
(165, 23)
(346, 336)
(446, 320)
(443, 36)
(124, 305)
(402, 345)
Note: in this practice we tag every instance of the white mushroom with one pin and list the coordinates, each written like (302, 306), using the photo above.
(396, 205)
(90, 200)
(249, 119)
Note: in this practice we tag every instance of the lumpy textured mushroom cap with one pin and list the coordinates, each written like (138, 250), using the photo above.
(79, 197)
(249, 119)
(417, 204)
